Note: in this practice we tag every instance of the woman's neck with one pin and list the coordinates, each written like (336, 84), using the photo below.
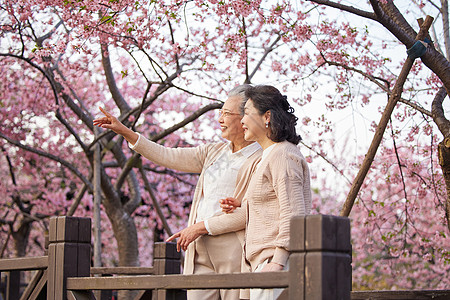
(236, 146)
(265, 143)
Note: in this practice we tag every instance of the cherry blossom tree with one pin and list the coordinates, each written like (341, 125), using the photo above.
(386, 13)
(164, 66)
(402, 208)
(57, 71)
(399, 238)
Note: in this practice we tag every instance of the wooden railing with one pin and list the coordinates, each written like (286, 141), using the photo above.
(319, 268)
(15, 266)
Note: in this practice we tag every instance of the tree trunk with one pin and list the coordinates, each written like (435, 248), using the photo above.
(444, 161)
(127, 243)
(21, 236)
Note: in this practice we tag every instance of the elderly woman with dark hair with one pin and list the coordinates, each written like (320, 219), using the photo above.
(279, 188)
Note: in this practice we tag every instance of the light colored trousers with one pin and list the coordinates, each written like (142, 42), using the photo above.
(265, 294)
(216, 254)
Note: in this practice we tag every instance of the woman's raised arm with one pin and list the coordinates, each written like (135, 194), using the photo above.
(111, 122)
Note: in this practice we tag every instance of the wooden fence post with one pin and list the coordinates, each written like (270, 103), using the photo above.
(69, 253)
(320, 260)
(12, 285)
(166, 260)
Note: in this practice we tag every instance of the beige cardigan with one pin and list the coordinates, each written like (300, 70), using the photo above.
(279, 190)
(196, 160)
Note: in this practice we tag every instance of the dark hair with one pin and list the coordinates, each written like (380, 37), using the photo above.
(282, 119)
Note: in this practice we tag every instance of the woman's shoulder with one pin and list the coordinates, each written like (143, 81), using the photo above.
(212, 148)
(285, 153)
(286, 148)
(212, 145)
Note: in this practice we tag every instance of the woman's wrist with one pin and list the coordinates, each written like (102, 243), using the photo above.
(201, 228)
(129, 135)
(275, 263)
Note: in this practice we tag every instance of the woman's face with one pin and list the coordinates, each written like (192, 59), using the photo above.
(229, 120)
(253, 123)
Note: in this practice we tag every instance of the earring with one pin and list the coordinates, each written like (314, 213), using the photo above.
(267, 124)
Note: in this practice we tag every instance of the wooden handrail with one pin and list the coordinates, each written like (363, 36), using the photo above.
(24, 263)
(210, 281)
(122, 271)
(405, 294)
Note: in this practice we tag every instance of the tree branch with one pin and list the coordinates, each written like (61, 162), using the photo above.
(77, 200)
(244, 29)
(186, 121)
(328, 162)
(350, 9)
(49, 156)
(266, 52)
(10, 166)
(115, 93)
(445, 21)
(40, 40)
(155, 202)
(173, 42)
(394, 22)
(399, 162)
(195, 94)
(109, 134)
(438, 112)
(375, 79)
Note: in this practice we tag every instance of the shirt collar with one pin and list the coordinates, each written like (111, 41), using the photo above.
(247, 150)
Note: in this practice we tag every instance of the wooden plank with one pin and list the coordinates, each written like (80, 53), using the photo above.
(24, 263)
(69, 253)
(327, 233)
(212, 281)
(84, 230)
(284, 295)
(297, 276)
(343, 235)
(166, 266)
(13, 285)
(320, 233)
(143, 295)
(66, 266)
(40, 291)
(320, 276)
(166, 250)
(80, 295)
(401, 295)
(59, 272)
(52, 230)
(343, 275)
(51, 276)
(83, 261)
(67, 229)
(297, 235)
(123, 270)
(327, 275)
(32, 285)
